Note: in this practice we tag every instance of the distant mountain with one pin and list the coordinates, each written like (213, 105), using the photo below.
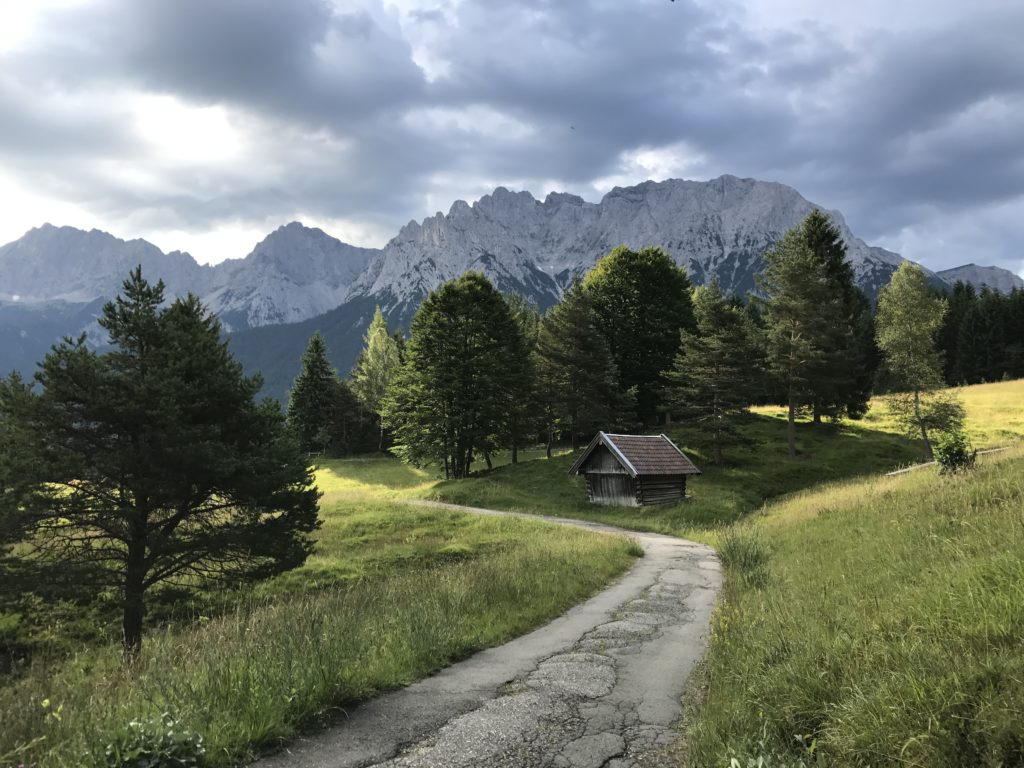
(716, 229)
(996, 278)
(70, 265)
(298, 279)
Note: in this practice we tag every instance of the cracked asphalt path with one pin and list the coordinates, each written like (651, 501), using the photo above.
(598, 687)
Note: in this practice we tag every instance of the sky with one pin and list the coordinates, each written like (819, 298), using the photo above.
(201, 125)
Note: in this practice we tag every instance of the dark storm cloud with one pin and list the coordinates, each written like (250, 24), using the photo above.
(899, 129)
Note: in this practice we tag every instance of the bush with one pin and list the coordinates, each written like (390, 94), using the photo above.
(742, 551)
(158, 743)
(954, 453)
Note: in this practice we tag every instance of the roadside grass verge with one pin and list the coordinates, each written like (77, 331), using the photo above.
(885, 630)
(393, 593)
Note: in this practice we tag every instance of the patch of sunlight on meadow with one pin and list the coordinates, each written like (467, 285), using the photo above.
(370, 478)
(995, 413)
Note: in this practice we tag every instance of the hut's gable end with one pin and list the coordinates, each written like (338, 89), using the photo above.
(604, 461)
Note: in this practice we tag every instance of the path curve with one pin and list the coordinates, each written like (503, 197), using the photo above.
(598, 687)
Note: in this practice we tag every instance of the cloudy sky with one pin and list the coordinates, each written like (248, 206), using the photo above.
(203, 124)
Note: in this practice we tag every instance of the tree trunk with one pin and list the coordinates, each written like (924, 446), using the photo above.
(717, 450)
(920, 423)
(515, 453)
(380, 441)
(817, 413)
(791, 424)
(134, 605)
(487, 458)
(551, 437)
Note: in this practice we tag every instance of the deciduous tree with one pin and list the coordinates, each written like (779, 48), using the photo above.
(641, 300)
(376, 369)
(449, 400)
(909, 319)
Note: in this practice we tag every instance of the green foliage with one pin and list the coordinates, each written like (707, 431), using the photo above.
(641, 300)
(889, 633)
(450, 400)
(376, 368)
(717, 372)
(522, 397)
(801, 314)
(982, 335)
(157, 743)
(578, 378)
(313, 399)
(954, 454)
(909, 317)
(152, 463)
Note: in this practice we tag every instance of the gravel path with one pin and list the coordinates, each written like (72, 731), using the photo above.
(598, 687)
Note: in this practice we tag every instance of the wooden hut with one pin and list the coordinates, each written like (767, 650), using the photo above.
(634, 470)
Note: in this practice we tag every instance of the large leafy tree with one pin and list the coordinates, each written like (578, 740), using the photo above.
(909, 319)
(313, 399)
(153, 463)
(717, 372)
(376, 369)
(577, 376)
(801, 309)
(641, 301)
(449, 401)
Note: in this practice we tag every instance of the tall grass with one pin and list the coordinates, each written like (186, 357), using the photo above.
(269, 669)
(888, 632)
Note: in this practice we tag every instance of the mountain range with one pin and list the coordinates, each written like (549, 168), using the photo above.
(298, 279)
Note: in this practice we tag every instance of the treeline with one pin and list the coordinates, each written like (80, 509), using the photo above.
(632, 344)
(982, 336)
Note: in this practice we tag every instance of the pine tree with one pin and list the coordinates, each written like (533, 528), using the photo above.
(841, 380)
(717, 371)
(523, 404)
(577, 376)
(153, 462)
(800, 311)
(314, 397)
(909, 318)
(642, 301)
(376, 369)
(449, 400)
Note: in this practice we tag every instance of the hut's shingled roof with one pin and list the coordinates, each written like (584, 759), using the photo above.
(641, 455)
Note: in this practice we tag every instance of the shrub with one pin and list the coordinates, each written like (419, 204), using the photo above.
(158, 743)
(954, 453)
(741, 550)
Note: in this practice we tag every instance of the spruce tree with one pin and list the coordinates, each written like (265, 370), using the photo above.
(153, 463)
(641, 300)
(449, 400)
(908, 321)
(522, 391)
(717, 371)
(314, 397)
(376, 369)
(577, 375)
(800, 311)
(841, 379)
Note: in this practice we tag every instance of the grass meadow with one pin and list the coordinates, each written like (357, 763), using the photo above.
(872, 623)
(393, 593)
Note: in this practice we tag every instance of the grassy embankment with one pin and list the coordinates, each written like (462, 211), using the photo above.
(392, 594)
(880, 620)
